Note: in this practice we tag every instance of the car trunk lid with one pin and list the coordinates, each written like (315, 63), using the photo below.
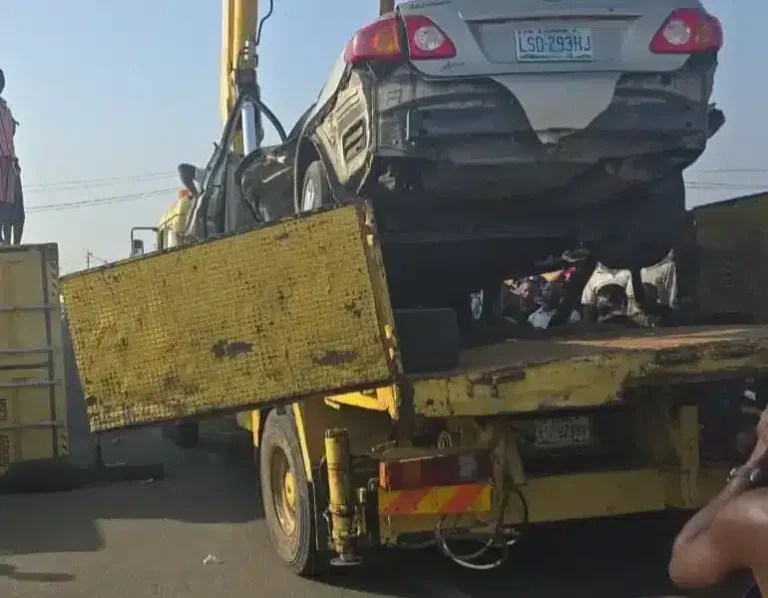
(546, 36)
(561, 59)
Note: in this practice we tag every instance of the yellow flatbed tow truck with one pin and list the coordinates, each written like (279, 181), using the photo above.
(291, 326)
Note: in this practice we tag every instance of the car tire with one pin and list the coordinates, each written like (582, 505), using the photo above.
(315, 188)
(286, 495)
(657, 217)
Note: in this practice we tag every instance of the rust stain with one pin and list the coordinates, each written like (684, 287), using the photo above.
(740, 351)
(231, 349)
(352, 308)
(335, 358)
(282, 300)
(501, 377)
(283, 237)
(677, 356)
(170, 382)
(553, 401)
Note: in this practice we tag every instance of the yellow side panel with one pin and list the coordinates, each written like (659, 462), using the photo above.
(32, 400)
(284, 312)
(732, 240)
(590, 371)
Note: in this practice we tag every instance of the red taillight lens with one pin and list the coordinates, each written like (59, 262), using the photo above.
(688, 30)
(378, 41)
(426, 40)
(427, 471)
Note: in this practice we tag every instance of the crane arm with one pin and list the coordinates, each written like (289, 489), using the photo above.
(239, 20)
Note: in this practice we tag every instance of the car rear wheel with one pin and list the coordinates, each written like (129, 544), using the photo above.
(315, 189)
(647, 231)
(285, 493)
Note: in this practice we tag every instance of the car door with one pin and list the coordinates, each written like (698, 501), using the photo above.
(267, 176)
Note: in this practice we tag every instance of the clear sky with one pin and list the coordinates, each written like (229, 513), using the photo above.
(112, 95)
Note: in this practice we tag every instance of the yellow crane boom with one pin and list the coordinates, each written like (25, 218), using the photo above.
(239, 21)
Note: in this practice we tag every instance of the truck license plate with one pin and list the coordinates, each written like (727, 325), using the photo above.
(543, 44)
(563, 432)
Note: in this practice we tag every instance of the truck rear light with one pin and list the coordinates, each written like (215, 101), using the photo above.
(426, 40)
(686, 31)
(377, 41)
(438, 470)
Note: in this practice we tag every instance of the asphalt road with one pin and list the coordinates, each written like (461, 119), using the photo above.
(152, 538)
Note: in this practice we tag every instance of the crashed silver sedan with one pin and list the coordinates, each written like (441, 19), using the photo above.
(500, 138)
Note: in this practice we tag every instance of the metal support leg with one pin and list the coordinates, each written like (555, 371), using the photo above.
(340, 497)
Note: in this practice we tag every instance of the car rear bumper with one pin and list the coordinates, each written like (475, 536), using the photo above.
(655, 122)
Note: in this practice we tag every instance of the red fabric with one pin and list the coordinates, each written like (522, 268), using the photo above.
(6, 130)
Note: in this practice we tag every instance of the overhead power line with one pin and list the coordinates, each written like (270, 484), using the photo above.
(723, 185)
(733, 170)
(88, 184)
(101, 201)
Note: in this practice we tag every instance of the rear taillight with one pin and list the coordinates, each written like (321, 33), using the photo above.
(426, 40)
(381, 41)
(378, 41)
(688, 30)
(435, 470)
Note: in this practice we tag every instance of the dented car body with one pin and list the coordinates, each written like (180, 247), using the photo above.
(495, 137)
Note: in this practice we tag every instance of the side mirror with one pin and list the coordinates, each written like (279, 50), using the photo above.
(137, 247)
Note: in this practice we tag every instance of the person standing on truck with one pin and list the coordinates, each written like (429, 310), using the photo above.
(729, 533)
(14, 229)
(9, 168)
(191, 176)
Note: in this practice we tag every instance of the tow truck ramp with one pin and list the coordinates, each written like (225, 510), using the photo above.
(292, 310)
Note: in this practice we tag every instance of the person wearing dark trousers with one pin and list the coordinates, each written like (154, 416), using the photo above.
(13, 226)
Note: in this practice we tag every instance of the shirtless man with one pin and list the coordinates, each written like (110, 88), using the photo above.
(731, 532)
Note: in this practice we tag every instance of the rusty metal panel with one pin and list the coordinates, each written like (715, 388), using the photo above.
(732, 248)
(590, 371)
(292, 310)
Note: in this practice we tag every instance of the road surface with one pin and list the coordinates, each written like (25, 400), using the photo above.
(152, 538)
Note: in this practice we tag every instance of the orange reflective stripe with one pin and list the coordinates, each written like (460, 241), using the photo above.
(405, 501)
(435, 500)
(462, 498)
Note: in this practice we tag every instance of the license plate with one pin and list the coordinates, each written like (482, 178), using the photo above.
(542, 44)
(563, 432)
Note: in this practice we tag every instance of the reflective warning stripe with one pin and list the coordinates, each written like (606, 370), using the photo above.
(464, 498)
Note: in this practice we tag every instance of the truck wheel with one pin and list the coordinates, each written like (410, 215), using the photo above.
(285, 493)
(315, 189)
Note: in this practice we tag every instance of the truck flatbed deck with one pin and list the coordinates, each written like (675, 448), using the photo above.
(586, 370)
(300, 309)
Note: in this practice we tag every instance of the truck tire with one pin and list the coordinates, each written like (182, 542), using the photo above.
(649, 229)
(286, 495)
(315, 189)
